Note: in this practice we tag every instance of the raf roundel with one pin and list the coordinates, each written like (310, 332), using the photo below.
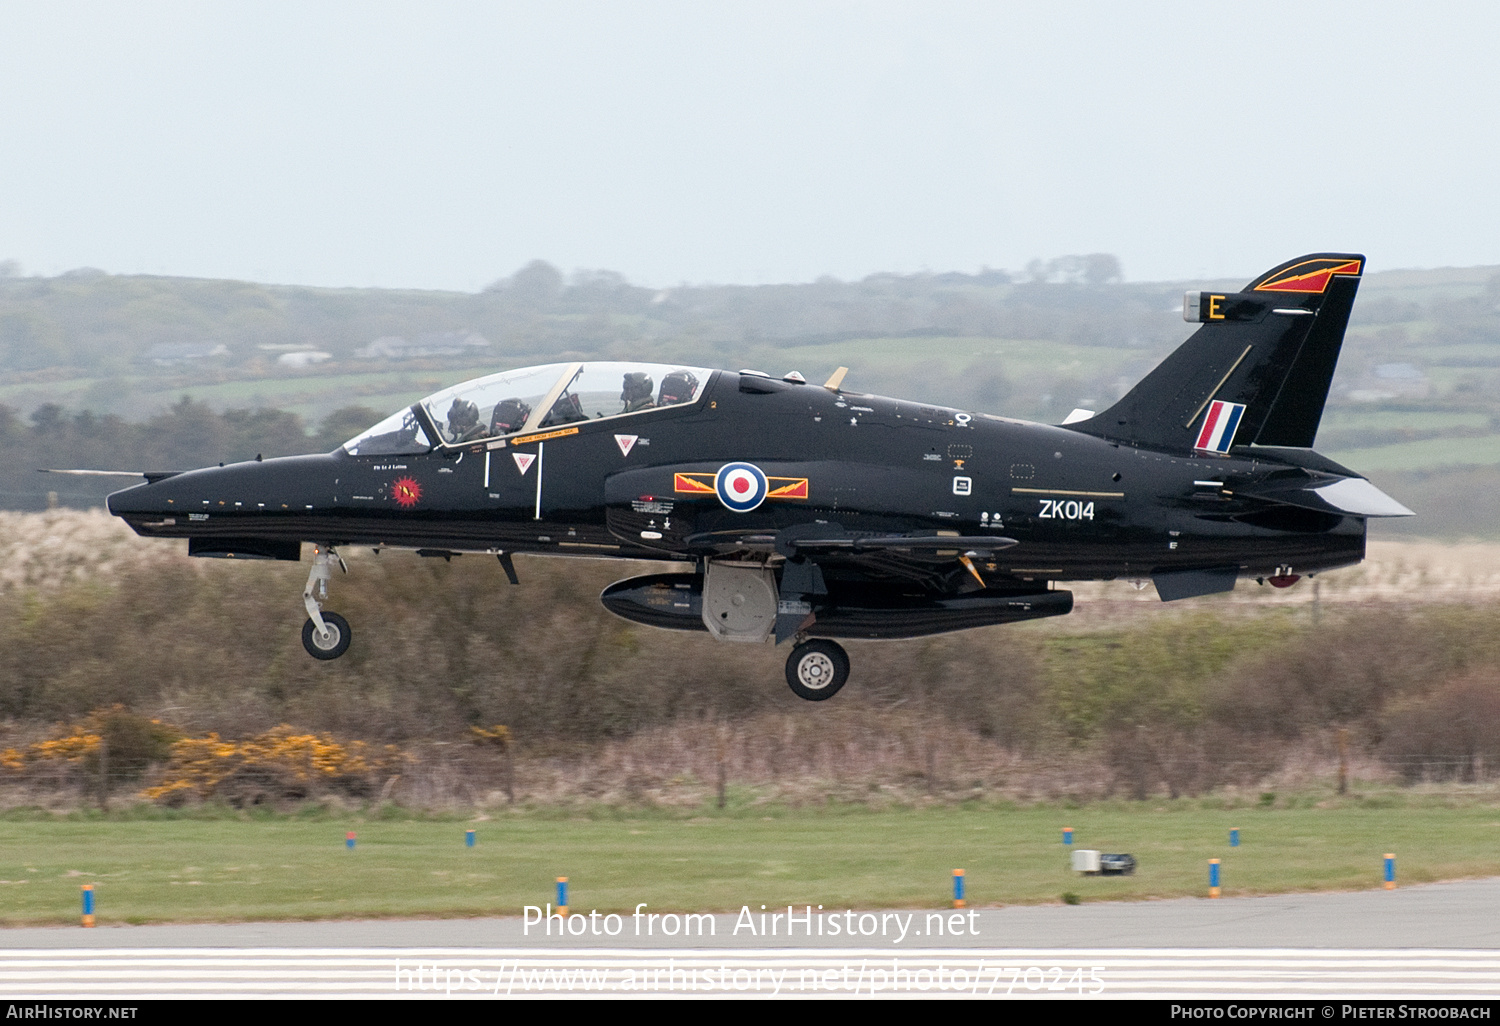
(741, 486)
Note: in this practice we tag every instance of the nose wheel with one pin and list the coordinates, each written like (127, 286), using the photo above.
(324, 635)
(817, 669)
(329, 643)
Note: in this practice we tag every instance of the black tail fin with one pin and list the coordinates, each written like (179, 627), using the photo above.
(1266, 354)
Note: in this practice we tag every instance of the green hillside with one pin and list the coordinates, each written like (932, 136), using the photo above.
(1417, 390)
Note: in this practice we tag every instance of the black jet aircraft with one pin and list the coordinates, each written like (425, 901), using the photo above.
(810, 512)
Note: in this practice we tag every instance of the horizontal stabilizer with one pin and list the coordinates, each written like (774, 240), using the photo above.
(1351, 496)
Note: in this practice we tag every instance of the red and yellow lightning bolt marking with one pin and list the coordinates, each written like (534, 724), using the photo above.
(703, 484)
(1315, 280)
(693, 484)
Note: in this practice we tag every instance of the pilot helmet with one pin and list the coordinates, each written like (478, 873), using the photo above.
(678, 387)
(638, 385)
(509, 415)
(463, 414)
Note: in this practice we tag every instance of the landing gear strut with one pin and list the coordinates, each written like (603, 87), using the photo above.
(817, 669)
(324, 635)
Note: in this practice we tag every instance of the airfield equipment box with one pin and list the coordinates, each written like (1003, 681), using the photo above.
(1086, 860)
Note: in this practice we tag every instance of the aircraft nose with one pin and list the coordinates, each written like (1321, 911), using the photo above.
(235, 489)
(147, 497)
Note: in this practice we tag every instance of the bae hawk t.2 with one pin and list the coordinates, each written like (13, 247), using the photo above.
(809, 513)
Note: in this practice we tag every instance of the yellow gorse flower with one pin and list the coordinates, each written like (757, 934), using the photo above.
(72, 747)
(499, 734)
(198, 765)
(201, 764)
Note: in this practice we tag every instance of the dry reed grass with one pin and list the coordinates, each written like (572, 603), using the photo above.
(868, 758)
(68, 546)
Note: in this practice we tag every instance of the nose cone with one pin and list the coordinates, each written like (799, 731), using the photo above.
(216, 498)
(141, 498)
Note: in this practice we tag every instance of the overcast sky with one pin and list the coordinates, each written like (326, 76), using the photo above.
(437, 145)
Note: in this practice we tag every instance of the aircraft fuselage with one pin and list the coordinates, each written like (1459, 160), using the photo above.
(640, 487)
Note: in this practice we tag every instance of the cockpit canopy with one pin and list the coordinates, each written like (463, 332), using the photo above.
(529, 399)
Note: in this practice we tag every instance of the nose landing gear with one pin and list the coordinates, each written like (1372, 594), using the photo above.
(817, 669)
(324, 635)
(331, 642)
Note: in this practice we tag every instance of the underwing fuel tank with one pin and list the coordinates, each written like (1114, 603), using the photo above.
(675, 602)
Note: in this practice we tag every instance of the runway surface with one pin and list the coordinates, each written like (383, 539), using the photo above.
(1244, 974)
(1423, 943)
(1449, 915)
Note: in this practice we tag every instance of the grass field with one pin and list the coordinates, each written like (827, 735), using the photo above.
(1016, 357)
(229, 869)
(1422, 455)
(1346, 419)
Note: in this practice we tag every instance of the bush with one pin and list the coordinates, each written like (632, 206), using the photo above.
(277, 766)
(1452, 733)
(1347, 671)
(441, 647)
(131, 742)
(1169, 702)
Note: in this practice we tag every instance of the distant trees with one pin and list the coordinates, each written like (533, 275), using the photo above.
(91, 321)
(537, 285)
(98, 324)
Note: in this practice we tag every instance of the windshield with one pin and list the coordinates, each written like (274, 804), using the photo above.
(504, 403)
(397, 435)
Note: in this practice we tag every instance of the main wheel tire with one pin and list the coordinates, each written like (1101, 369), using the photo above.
(331, 646)
(817, 669)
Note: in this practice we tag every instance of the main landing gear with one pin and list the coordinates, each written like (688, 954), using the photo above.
(817, 669)
(324, 635)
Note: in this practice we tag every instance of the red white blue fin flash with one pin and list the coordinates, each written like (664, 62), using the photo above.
(1218, 427)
